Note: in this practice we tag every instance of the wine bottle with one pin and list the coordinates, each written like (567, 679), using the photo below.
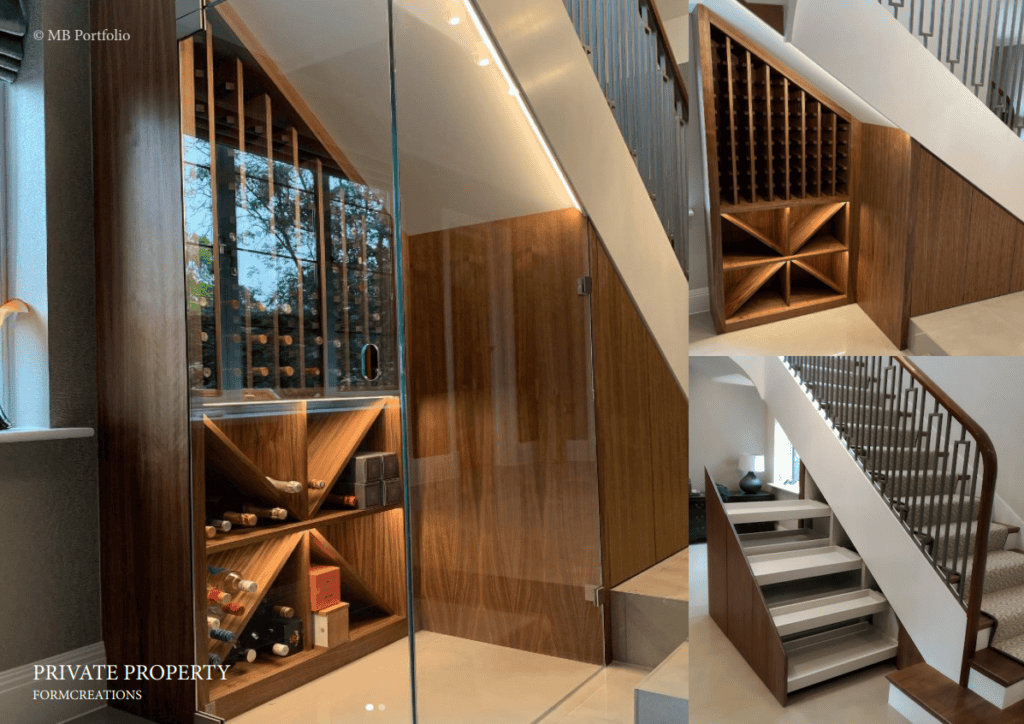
(232, 609)
(286, 486)
(259, 338)
(239, 653)
(271, 513)
(349, 501)
(227, 578)
(218, 596)
(287, 371)
(285, 340)
(283, 611)
(212, 621)
(280, 649)
(222, 525)
(211, 532)
(243, 519)
(317, 484)
(215, 660)
(261, 371)
(222, 635)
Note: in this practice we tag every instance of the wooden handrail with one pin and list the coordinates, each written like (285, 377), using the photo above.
(736, 602)
(659, 28)
(985, 502)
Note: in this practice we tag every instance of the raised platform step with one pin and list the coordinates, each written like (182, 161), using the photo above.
(921, 690)
(997, 678)
(775, 510)
(817, 613)
(794, 565)
(664, 696)
(777, 541)
(824, 656)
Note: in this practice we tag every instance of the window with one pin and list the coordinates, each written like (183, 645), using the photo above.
(786, 461)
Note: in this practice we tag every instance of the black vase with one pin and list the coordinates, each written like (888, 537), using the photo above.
(750, 484)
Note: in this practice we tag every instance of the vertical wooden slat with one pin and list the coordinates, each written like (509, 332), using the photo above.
(821, 190)
(344, 283)
(324, 261)
(187, 86)
(300, 292)
(211, 112)
(750, 123)
(786, 272)
(366, 269)
(835, 152)
(768, 131)
(732, 120)
(803, 143)
(785, 136)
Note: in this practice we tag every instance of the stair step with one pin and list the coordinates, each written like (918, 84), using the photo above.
(851, 414)
(1007, 608)
(935, 510)
(868, 435)
(775, 510)
(776, 541)
(947, 543)
(944, 699)
(794, 565)
(797, 617)
(903, 459)
(906, 483)
(1001, 669)
(1013, 647)
(824, 656)
(1003, 569)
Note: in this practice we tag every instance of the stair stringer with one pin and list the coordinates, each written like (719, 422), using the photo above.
(928, 611)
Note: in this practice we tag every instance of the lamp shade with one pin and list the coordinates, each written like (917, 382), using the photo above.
(751, 463)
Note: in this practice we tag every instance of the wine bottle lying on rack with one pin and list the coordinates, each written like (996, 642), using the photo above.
(230, 609)
(219, 525)
(243, 519)
(222, 635)
(225, 578)
(218, 596)
(269, 513)
(269, 632)
(287, 486)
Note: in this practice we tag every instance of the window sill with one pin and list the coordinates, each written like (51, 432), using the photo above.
(35, 434)
(792, 489)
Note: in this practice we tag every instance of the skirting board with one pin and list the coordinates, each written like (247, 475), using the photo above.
(909, 709)
(700, 300)
(17, 687)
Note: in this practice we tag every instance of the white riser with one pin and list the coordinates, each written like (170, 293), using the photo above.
(826, 611)
(794, 565)
(770, 511)
(825, 656)
(910, 709)
(994, 692)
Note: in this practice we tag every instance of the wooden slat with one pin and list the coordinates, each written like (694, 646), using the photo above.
(769, 128)
(757, 233)
(749, 284)
(333, 439)
(786, 274)
(751, 124)
(260, 563)
(819, 190)
(803, 142)
(353, 587)
(794, 203)
(812, 223)
(733, 150)
(187, 86)
(835, 150)
(269, 66)
(785, 135)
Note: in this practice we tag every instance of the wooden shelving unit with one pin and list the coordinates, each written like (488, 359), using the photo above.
(779, 160)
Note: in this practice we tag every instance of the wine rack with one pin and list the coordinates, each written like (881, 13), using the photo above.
(779, 184)
(289, 254)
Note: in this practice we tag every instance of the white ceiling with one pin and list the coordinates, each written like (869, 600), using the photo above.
(467, 153)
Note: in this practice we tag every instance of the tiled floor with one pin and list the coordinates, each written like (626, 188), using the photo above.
(606, 699)
(668, 579)
(723, 688)
(650, 613)
(992, 327)
(846, 330)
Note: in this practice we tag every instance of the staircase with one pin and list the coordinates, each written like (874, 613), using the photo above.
(927, 471)
(830, 621)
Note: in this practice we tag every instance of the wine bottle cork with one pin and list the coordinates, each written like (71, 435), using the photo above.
(211, 532)
(212, 622)
(232, 609)
(271, 513)
(286, 339)
(281, 649)
(219, 596)
(222, 525)
(204, 336)
(313, 371)
(287, 371)
(259, 338)
(284, 611)
(350, 501)
(261, 371)
(249, 655)
(317, 484)
(246, 519)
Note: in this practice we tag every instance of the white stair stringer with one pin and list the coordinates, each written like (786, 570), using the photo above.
(900, 569)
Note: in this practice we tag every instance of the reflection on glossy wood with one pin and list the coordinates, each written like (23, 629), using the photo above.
(504, 477)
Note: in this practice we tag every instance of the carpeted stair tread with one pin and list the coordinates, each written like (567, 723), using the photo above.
(930, 510)
(946, 539)
(904, 483)
(1013, 648)
(1007, 608)
(903, 459)
(1003, 569)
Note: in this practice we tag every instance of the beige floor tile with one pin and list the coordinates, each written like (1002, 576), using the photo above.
(846, 330)
(668, 579)
(606, 699)
(992, 327)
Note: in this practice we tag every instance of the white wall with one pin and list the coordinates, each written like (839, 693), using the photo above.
(868, 50)
(727, 419)
(932, 615)
(991, 390)
(545, 54)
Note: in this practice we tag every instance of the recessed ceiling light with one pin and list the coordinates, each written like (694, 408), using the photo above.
(454, 20)
(483, 62)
